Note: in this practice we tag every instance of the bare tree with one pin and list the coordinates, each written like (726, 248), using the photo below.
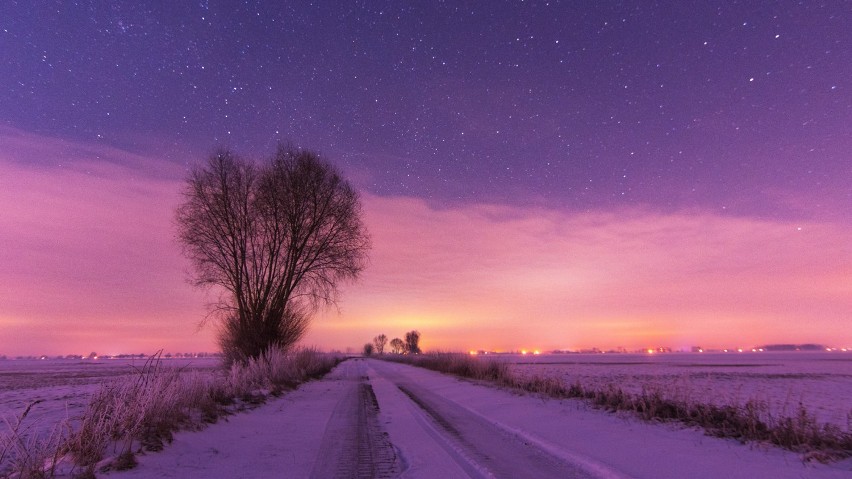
(412, 342)
(278, 238)
(379, 342)
(368, 349)
(397, 346)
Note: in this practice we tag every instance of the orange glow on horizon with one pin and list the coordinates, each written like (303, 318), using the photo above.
(463, 275)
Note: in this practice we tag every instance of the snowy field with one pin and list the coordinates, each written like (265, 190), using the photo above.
(65, 385)
(397, 420)
(371, 418)
(820, 381)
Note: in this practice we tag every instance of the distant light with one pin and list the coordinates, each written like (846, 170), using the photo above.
(650, 351)
(739, 350)
(536, 352)
(473, 353)
(700, 350)
(524, 351)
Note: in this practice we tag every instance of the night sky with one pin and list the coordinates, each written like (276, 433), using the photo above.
(622, 149)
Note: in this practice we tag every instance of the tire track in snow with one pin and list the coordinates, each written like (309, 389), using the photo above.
(353, 444)
(477, 445)
(494, 451)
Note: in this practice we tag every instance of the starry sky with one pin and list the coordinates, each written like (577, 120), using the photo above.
(534, 174)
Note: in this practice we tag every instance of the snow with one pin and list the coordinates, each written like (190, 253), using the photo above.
(283, 437)
(442, 426)
(279, 439)
(615, 445)
(820, 381)
(65, 385)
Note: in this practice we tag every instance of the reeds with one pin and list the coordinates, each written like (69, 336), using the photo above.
(751, 421)
(143, 410)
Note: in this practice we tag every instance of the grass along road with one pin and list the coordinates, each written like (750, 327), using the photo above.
(371, 418)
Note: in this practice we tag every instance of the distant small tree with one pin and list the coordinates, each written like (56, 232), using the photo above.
(379, 342)
(397, 346)
(412, 342)
(368, 349)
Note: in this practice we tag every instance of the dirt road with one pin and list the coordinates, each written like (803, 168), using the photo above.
(374, 419)
(355, 445)
(463, 442)
(366, 419)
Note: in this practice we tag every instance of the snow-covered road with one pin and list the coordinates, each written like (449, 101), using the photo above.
(464, 442)
(371, 418)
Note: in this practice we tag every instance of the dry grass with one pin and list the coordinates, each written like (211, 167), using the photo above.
(751, 421)
(25, 454)
(143, 410)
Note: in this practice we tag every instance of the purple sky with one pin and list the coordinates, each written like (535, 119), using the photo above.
(619, 117)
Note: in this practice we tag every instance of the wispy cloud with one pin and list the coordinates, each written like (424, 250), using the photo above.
(501, 277)
(87, 249)
(89, 261)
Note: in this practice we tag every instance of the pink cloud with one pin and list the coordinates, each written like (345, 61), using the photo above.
(487, 276)
(87, 251)
(88, 262)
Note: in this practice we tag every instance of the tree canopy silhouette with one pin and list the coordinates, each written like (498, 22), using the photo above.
(397, 346)
(279, 237)
(379, 343)
(412, 342)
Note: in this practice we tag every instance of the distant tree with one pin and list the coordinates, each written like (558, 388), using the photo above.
(397, 346)
(278, 238)
(379, 342)
(412, 342)
(368, 349)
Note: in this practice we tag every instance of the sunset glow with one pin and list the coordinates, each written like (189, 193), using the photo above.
(566, 182)
(482, 276)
